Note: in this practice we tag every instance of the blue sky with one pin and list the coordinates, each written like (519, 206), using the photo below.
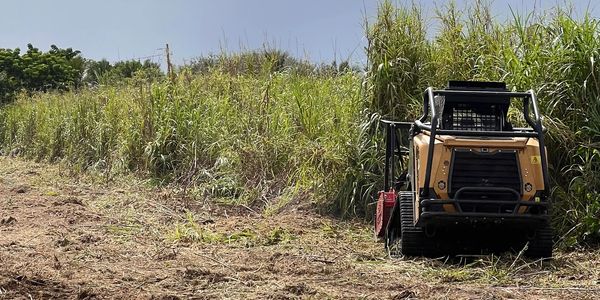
(320, 30)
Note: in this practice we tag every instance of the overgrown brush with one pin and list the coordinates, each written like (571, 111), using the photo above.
(260, 139)
(265, 60)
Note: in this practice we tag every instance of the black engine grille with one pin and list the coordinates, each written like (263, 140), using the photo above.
(482, 169)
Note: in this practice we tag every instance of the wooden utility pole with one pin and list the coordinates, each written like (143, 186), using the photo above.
(169, 66)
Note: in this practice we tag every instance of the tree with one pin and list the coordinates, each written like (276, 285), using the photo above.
(10, 73)
(96, 71)
(39, 71)
(62, 69)
(103, 71)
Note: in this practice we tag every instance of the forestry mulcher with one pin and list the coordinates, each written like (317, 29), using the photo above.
(462, 179)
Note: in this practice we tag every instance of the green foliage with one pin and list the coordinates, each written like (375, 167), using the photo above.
(10, 73)
(265, 61)
(399, 55)
(252, 139)
(57, 69)
(103, 72)
(190, 231)
(62, 69)
(95, 70)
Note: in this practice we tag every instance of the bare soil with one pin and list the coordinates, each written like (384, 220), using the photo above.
(80, 237)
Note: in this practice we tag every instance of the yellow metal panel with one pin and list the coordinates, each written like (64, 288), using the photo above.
(527, 152)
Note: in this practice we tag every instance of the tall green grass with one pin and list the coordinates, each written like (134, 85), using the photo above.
(262, 139)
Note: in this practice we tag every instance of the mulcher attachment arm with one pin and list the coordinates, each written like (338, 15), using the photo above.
(396, 146)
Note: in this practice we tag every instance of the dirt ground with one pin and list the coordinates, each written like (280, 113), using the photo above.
(71, 237)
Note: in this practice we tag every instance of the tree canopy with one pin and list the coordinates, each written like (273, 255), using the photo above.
(61, 69)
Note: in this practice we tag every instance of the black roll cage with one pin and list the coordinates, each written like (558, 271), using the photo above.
(394, 146)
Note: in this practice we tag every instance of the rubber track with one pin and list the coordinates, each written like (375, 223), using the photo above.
(413, 240)
(541, 244)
